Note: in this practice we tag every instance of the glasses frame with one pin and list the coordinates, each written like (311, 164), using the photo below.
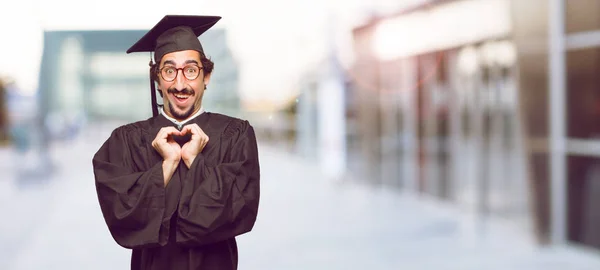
(160, 71)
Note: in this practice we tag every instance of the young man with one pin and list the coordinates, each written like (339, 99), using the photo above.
(178, 188)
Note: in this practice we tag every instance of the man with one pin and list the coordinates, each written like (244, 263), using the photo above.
(178, 188)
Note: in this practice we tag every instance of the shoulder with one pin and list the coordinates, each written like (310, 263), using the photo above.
(230, 126)
(132, 129)
(126, 137)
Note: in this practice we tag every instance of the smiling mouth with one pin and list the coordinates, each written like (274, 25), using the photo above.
(182, 96)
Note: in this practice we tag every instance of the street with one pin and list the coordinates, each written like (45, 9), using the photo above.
(305, 222)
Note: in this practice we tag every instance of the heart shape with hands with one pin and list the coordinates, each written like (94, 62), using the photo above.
(175, 145)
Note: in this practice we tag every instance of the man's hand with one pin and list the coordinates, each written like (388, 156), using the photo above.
(192, 148)
(166, 146)
(169, 150)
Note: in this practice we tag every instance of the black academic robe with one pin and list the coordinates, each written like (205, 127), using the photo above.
(193, 221)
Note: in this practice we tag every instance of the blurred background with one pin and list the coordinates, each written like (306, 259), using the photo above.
(393, 134)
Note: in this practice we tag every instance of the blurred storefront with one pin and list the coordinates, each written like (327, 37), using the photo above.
(439, 110)
(489, 105)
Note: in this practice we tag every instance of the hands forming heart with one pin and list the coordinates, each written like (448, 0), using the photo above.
(170, 150)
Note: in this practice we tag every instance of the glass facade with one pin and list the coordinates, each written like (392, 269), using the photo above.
(445, 123)
(583, 194)
(582, 15)
(582, 25)
(583, 96)
(471, 123)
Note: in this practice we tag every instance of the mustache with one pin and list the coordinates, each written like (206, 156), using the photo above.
(185, 91)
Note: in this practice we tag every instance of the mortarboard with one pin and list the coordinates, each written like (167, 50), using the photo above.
(171, 34)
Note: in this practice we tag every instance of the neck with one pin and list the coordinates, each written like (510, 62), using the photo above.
(180, 122)
(184, 117)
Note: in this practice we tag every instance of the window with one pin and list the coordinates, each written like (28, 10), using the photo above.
(583, 93)
(582, 15)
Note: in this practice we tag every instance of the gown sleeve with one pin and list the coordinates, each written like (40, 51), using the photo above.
(221, 201)
(132, 200)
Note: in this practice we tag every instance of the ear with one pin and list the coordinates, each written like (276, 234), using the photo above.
(206, 79)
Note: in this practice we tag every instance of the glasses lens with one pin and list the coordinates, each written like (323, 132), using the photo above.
(191, 72)
(169, 73)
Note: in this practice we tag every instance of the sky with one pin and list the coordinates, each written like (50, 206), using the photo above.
(275, 41)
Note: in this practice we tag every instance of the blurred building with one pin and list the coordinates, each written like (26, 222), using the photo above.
(3, 114)
(223, 91)
(489, 105)
(438, 110)
(19, 117)
(87, 75)
(323, 112)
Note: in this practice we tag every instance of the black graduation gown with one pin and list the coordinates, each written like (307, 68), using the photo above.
(191, 223)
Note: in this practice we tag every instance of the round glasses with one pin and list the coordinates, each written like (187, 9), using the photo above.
(169, 73)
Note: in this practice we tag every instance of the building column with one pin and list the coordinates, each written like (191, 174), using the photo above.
(557, 113)
(332, 123)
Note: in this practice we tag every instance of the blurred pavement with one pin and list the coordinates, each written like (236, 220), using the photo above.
(305, 222)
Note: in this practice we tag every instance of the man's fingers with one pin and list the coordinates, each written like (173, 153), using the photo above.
(172, 131)
(202, 136)
(194, 129)
(190, 128)
(199, 131)
(163, 133)
(185, 130)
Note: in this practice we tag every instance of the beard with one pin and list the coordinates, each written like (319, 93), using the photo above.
(185, 114)
(181, 116)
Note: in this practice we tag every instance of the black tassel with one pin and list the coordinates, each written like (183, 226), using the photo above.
(153, 94)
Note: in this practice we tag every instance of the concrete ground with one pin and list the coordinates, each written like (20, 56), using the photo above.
(305, 221)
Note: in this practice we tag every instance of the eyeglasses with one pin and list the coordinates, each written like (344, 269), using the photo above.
(169, 73)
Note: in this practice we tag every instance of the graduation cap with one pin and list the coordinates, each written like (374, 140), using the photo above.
(171, 34)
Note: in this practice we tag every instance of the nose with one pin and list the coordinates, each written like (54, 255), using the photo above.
(179, 80)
